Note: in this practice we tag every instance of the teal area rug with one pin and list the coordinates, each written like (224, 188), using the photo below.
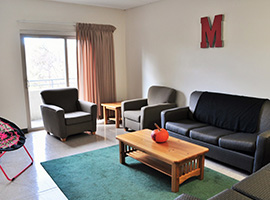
(99, 175)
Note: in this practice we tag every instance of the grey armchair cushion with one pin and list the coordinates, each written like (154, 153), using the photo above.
(161, 94)
(229, 194)
(134, 115)
(186, 197)
(255, 186)
(77, 117)
(65, 99)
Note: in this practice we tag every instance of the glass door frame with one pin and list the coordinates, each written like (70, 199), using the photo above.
(24, 70)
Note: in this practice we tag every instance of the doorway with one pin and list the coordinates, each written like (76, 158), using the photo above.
(50, 62)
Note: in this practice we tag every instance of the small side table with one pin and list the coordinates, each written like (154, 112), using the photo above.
(116, 107)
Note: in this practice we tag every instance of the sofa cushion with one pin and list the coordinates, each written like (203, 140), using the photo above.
(209, 134)
(242, 142)
(183, 126)
(77, 117)
(229, 194)
(255, 186)
(134, 115)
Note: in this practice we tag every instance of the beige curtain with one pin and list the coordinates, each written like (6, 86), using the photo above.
(96, 71)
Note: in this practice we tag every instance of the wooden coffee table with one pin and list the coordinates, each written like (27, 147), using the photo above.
(176, 158)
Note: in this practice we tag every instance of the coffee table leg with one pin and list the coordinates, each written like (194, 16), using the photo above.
(122, 154)
(201, 164)
(175, 178)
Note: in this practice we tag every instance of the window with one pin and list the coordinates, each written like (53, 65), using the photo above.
(50, 62)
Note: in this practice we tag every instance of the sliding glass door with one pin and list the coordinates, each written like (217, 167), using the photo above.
(50, 62)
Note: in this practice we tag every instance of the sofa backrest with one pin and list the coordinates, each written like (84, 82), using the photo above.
(66, 98)
(161, 94)
(263, 117)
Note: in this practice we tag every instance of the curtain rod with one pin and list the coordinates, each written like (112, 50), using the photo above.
(47, 22)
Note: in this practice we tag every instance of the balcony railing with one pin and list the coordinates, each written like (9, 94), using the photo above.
(50, 83)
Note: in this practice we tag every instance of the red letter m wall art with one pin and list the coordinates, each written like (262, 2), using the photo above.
(211, 35)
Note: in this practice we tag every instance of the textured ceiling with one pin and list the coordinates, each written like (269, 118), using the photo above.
(119, 4)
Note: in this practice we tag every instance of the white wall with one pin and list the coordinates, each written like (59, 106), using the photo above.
(163, 47)
(12, 97)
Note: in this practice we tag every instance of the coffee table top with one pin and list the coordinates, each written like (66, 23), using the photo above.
(172, 151)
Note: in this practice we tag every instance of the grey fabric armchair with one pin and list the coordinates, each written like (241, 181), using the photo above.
(64, 114)
(142, 113)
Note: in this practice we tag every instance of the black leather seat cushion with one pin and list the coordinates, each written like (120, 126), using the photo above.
(255, 186)
(229, 194)
(209, 134)
(243, 142)
(183, 126)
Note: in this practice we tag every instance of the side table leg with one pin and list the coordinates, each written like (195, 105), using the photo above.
(117, 117)
(122, 154)
(105, 116)
(175, 178)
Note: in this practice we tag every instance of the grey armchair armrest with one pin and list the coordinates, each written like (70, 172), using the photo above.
(262, 154)
(174, 114)
(88, 107)
(53, 118)
(151, 114)
(134, 104)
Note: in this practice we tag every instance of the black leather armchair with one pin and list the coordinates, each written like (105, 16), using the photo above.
(142, 113)
(64, 114)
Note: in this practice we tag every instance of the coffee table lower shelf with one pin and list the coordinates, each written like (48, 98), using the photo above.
(185, 170)
(151, 162)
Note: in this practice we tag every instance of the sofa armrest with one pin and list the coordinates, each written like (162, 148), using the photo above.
(262, 154)
(151, 114)
(53, 119)
(174, 114)
(89, 107)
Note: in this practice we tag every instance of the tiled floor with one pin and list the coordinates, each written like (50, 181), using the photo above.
(35, 183)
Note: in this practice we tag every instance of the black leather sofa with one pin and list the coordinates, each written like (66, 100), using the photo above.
(256, 186)
(236, 129)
